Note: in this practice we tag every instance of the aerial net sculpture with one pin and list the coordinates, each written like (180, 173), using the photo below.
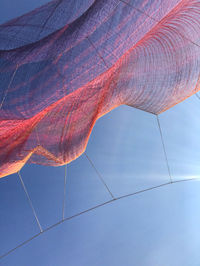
(67, 63)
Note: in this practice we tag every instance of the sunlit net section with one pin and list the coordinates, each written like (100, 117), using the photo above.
(82, 188)
(63, 77)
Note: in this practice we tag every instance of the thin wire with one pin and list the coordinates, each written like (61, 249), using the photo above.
(139, 10)
(101, 57)
(97, 52)
(142, 191)
(146, 14)
(47, 19)
(197, 96)
(99, 175)
(155, 187)
(30, 202)
(113, 199)
(163, 144)
(157, 21)
(6, 92)
(93, 208)
(64, 196)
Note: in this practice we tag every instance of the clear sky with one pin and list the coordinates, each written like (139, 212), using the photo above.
(155, 228)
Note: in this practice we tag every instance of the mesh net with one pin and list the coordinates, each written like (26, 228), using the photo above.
(67, 63)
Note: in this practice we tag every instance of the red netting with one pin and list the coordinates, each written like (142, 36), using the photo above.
(67, 63)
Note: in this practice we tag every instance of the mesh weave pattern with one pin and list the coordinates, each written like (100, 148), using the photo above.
(67, 63)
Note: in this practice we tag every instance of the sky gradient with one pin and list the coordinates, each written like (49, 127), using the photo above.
(155, 228)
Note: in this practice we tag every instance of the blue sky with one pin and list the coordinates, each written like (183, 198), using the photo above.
(155, 228)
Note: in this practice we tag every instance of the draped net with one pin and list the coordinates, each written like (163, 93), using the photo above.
(67, 63)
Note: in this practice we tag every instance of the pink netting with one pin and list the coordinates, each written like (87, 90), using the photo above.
(67, 63)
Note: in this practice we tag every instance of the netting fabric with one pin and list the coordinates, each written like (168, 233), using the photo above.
(67, 63)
